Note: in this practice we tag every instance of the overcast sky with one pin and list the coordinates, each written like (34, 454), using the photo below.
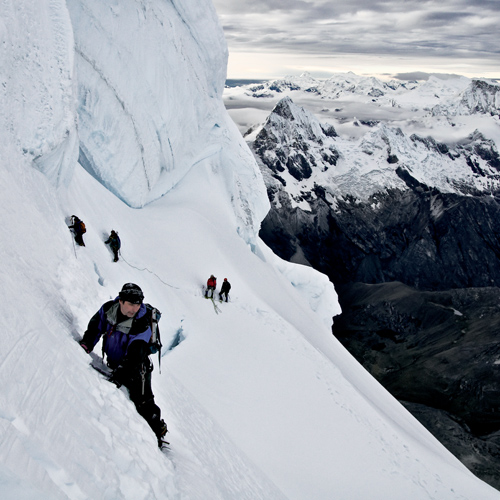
(275, 38)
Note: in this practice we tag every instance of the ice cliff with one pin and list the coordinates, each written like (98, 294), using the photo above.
(131, 89)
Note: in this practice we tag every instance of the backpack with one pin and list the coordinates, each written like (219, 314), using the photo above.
(83, 229)
(155, 344)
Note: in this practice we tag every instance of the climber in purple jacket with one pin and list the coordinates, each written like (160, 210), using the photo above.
(125, 325)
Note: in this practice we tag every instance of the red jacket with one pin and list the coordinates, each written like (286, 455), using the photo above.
(212, 282)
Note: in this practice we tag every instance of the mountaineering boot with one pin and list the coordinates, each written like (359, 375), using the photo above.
(160, 434)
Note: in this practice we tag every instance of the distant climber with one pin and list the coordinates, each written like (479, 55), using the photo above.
(125, 325)
(114, 243)
(224, 290)
(211, 285)
(78, 228)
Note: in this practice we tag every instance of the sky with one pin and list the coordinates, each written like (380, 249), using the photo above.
(384, 38)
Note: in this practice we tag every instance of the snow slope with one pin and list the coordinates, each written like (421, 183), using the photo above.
(261, 401)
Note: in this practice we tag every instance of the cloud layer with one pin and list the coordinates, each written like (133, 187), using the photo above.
(462, 32)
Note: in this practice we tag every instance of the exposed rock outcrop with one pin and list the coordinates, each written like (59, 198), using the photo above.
(423, 238)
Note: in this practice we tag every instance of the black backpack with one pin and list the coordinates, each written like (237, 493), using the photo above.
(155, 344)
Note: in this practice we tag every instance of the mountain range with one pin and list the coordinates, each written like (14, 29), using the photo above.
(392, 190)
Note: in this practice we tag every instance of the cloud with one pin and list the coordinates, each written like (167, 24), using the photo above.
(421, 75)
(454, 29)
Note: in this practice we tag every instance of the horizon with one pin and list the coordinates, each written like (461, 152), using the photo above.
(268, 38)
(416, 76)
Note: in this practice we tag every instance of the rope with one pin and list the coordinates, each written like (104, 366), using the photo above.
(151, 272)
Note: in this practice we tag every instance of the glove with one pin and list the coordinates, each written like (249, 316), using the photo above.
(85, 347)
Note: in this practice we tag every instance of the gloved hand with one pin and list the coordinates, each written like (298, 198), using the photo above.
(85, 347)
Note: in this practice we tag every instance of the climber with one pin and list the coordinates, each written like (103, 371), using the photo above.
(125, 325)
(78, 228)
(211, 285)
(226, 286)
(114, 243)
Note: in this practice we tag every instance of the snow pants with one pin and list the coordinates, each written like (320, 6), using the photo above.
(141, 394)
(79, 239)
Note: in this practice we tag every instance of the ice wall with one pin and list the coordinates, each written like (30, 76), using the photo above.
(37, 87)
(150, 80)
(131, 88)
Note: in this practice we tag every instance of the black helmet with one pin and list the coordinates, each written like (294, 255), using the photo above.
(131, 293)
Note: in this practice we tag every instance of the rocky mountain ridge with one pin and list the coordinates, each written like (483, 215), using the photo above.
(301, 152)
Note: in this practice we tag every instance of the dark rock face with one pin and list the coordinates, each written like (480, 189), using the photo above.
(428, 240)
(440, 353)
(435, 348)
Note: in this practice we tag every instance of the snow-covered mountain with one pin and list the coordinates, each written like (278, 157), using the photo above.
(437, 95)
(393, 192)
(428, 129)
(302, 152)
(312, 164)
(361, 148)
(113, 111)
